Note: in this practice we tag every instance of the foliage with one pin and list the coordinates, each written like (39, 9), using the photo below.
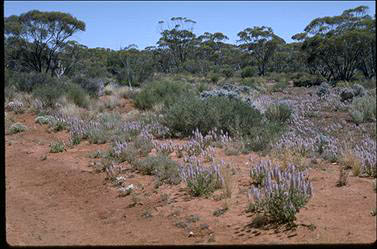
(16, 128)
(77, 95)
(37, 38)
(282, 194)
(261, 42)
(278, 113)
(248, 72)
(161, 166)
(363, 109)
(160, 92)
(48, 94)
(56, 147)
(230, 115)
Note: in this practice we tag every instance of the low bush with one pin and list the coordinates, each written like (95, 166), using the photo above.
(214, 78)
(77, 95)
(278, 113)
(282, 194)
(160, 92)
(201, 180)
(16, 128)
(227, 72)
(97, 135)
(363, 109)
(261, 137)
(161, 166)
(56, 147)
(248, 71)
(306, 80)
(279, 87)
(48, 94)
(230, 115)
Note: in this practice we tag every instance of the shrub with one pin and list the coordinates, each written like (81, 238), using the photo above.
(351, 161)
(306, 80)
(97, 135)
(28, 81)
(143, 143)
(248, 72)
(56, 147)
(160, 92)
(77, 95)
(363, 109)
(48, 94)
(279, 87)
(42, 120)
(261, 137)
(343, 177)
(200, 180)
(214, 77)
(230, 115)
(161, 166)
(227, 72)
(278, 113)
(282, 194)
(16, 128)
(93, 86)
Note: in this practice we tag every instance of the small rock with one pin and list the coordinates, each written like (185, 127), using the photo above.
(181, 224)
(43, 157)
(191, 234)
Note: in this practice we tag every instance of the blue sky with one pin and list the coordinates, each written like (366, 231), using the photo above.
(118, 24)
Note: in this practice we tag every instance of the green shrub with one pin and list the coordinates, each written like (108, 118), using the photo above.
(306, 80)
(161, 166)
(280, 86)
(48, 94)
(42, 119)
(160, 92)
(278, 113)
(214, 77)
(190, 113)
(91, 85)
(28, 81)
(143, 144)
(97, 136)
(248, 72)
(16, 128)
(260, 138)
(56, 147)
(368, 84)
(227, 72)
(363, 109)
(77, 95)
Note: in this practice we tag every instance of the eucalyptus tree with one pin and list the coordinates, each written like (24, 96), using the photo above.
(337, 46)
(37, 37)
(261, 43)
(177, 36)
(211, 45)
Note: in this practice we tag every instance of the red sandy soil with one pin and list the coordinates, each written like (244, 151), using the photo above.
(62, 201)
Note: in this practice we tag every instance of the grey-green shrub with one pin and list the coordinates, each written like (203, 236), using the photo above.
(16, 128)
(48, 94)
(161, 166)
(248, 72)
(363, 109)
(77, 95)
(56, 147)
(278, 113)
(230, 115)
(158, 92)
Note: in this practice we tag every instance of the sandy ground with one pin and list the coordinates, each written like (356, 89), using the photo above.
(62, 201)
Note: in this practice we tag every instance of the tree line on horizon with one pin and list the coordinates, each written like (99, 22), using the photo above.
(336, 48)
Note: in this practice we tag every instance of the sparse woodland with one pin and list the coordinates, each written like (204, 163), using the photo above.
(252, 127)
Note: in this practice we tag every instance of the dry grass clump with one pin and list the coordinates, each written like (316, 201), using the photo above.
(351, 161)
